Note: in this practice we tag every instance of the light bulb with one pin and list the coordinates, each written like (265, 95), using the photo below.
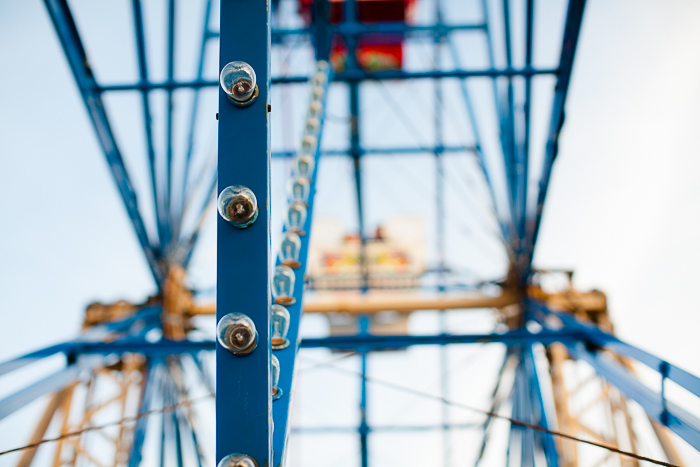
(303, 166)
(238, 205)
(238, 81)
(236, 333)
(298, 190)
(312, 125)
(290, 249)
(237, 460)
(296, 217)
(283, 285)
(308, 143)
(322, 65)
(280, 327)
(319, 79)
(275, 373)
(318, 92)
(315, 108)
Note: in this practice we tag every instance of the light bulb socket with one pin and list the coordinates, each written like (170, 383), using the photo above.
(236, 333)
(238, 206)
(276, 393)
(286, 300)
(252, 99)
(279, 343)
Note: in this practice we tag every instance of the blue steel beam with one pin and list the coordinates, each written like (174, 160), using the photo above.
(287, 357)
(152, 381)
(524, 150)
(367, 342)
(243, 384)
(508, 121)
(206, 34)
(147, 120)
(391, 151)
(546, 439)
(143, 320)
(350, 75)
(386, 428)
(597, 337)
(51, 383)
(408, 30)
(684, 424)
(168, 193)
(75, 53)
(572, 28)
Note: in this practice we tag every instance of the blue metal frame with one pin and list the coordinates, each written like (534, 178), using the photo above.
(75, 53)
(243, 384)
(287, 356)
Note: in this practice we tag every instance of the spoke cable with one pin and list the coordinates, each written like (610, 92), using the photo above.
(398, 387)
(492, 414)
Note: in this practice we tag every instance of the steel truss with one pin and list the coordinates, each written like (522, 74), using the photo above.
(544, 333)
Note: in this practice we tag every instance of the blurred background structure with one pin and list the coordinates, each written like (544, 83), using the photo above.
(431, 334)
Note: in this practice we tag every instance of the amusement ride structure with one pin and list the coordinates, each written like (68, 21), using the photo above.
(136, 377)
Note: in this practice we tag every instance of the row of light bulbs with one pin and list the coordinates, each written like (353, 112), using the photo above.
(238, 205)
(298, 191)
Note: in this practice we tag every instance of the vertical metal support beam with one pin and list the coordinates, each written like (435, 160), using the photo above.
(572, 27)
(77, 59)
(206, 35)
(147, 120)
(547, 441)
(508, 126)
(440, 232)
(243, 384)
(151, 382)
(364, 426)
(169, 128)
(524, 151)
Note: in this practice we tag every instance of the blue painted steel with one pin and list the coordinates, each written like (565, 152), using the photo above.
(287, 357)
(508, 120)
(574, 18)
(409, 30)
(206, 35)
(366, 342)
(75, 53)
(684, 424)
(243, 384)
(524, 393)
(51, 383)
(391, 151)
(143, 320)
(546, 440)
(147, 121)
(385, 428)
(350, 75)
(594, 335)
(147, 396)
(167, 195)
(524, 149)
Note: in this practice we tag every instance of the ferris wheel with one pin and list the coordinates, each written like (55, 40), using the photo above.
(358, 317)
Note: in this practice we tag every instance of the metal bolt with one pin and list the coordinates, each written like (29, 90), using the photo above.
(236, 333)
(238, 205)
